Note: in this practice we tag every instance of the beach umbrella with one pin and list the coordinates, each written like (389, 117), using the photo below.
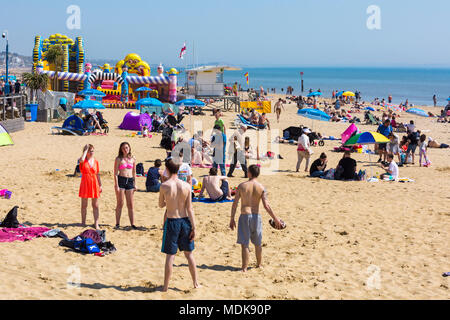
(314, 94)
(339, 94)
(418, 112)
(314, 114)
(142, 89)
(348, 94)
(367, 138)
(88, 104)
(149, 102)
(152, 104)
(91, 92)
(190, 103)
(369, 108)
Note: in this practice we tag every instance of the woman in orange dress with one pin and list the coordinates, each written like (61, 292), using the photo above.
(91, 185)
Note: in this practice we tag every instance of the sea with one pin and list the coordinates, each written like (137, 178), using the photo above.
(418, 85)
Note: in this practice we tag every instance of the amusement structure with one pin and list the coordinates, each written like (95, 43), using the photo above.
(119, 84)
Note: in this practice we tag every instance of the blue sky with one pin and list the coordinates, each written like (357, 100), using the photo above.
(245, 32)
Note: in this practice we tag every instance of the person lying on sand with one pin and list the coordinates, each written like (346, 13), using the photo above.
(250, 223)
(434, 144)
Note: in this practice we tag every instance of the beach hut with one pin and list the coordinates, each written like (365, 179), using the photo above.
(135, 121)
(207, 80)
(5, 139)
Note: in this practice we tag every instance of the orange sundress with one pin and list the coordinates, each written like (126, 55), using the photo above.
(89, 187)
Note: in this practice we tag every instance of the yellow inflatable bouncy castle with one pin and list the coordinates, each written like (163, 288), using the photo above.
(135, 65)
(73, 58)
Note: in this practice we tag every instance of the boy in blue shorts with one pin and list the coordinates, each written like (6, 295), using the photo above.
(179, 222)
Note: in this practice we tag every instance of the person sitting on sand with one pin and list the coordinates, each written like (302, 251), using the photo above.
(250, 222)
(152, 182)
(346, 169)
(91, 185)
(263, 121)
(91, 123)
(434, 144)
(179, 222)
(217, 186)
(317, 169)
(391, 168)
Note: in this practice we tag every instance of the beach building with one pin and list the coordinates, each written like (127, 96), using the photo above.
(207, 81)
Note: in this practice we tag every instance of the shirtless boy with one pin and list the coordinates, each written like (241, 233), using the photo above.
(179, 222)
(216, 186)
(250, 223)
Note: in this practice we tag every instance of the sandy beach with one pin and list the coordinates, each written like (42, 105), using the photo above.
(344, 240)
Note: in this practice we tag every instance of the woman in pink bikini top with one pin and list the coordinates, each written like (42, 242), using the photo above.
(124, 182)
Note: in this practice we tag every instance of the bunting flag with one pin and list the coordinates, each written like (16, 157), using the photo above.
(246, 76)
(183, 51)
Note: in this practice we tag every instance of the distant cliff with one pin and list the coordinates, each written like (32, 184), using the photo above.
(16, 60)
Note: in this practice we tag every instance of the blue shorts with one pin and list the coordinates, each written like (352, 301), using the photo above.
(176, 236)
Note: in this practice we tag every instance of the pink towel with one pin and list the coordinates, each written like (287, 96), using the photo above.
(21, 234)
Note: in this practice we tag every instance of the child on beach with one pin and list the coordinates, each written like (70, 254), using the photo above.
(423, 151)
(91, 185)
(391, 169)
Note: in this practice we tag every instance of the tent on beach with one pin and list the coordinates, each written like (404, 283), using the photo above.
(135, 121)
(5, 139)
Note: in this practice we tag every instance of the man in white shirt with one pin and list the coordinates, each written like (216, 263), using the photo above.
(237, 150)
(303, 149)
(392, 169)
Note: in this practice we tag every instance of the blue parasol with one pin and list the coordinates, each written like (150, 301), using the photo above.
(314, 114)
(88, 104)
(91, 92)
(314, 94)
(148, 102)
(190, 103)
(418, 112)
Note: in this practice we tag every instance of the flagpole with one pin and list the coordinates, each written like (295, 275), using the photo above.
(185, 69)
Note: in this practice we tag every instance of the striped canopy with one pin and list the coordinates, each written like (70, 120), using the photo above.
(163, 79)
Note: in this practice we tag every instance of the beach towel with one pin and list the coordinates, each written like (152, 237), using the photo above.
(21, 234)
(208, 200)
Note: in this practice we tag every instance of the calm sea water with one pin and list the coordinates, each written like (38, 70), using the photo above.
(416, 85)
